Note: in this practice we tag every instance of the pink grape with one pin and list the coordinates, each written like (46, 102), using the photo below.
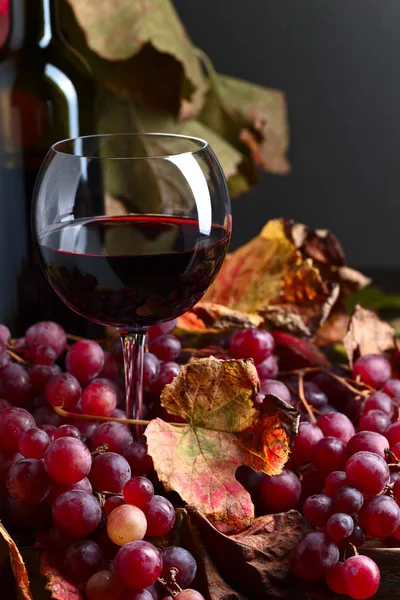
(126, 524)
(372, 369)
(168, 371)
(268, 368)
(334, 579)
(166, 347)
(317, 509)
(16, 384)
(180, 559)
(13, 424)
(43, 355)
(368, 440)
(151, 369)
(47, 333)
(27, 481)
(105, 585)
(113, 502)
(77, 513)
(336, 425)
(380, 516)
(305, 441)
(334, 481)
(279, 493)
(160, 515)
(339, 526)
(367, 472)
(189, 594)
(138, 491)
(393, 434)
(85, 360)
(67, 460)
(110, 368)
(277, 388)
(117, 436)
(99, 399)
(41, 374)
(347, 500)
(374, 420)
(361, 577)
(252, 343)
(5, 334)
(109, 472)
(63, 390)
(313, 556)
(156, 331)
(49, 429)
(34, 443)
(138, 564)
(82, 560)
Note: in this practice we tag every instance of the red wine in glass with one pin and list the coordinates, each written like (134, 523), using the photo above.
(132, 271)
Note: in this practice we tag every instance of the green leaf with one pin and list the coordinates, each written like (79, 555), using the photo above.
(373, 298)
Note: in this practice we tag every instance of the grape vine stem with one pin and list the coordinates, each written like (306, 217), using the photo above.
(70, 415)
(303, 398)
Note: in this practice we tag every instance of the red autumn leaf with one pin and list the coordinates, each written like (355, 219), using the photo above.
(17, 565)
(60, 588)
(225, 429)
(296, 353)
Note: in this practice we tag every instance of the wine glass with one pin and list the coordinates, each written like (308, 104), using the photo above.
(131, 231)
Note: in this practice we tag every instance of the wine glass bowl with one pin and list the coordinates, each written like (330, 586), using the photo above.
(131, 230)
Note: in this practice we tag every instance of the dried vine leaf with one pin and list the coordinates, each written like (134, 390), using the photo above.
(254, 115)
(270, 276)
(367, 334)
(297, 353)
(225, 429)
(60, 588)
(17, 564)
(251, 565)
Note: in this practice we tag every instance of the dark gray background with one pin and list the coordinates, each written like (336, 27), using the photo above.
(339, 64)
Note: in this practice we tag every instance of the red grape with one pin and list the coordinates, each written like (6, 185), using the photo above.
(4, 404)
(27, 481)
(368, 440)
(63, 390)
(67, 431)
(379, 516)
(340, 526)
(392, 387)
(85, 360)
(151, 369)
(367, 472)
(168, 371)
(5, 334)
(109, 473)
(99, 399)
(268, 368)
(13, 424)
(41, 374)
(314, 396)
(334, 579)
(379, 401)
(304, 442)
(34, 443)
(329, 455)
(156, 331)
(110, 368)
(60, 488)
(138, 564)
(252, 343)
(317, 509)
(43, 355)
(166, 347)
(189, 594)
(160, 515)
(357, 538)
(374, 420)
(334, 481)
(138, 491)
(47, 333)
(393, 434)
(117, 436)
(82, 560)
(361, 577)
(279, 493)
(67, 460)
(336, 425)
(77, 513)
(16, 384)
(180, 559)
(105, 585)
(313, 556)
(347, 500)
(113, 502)
(277, 388)
(372, 369)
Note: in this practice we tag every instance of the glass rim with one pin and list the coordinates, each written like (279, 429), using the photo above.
(199, 145)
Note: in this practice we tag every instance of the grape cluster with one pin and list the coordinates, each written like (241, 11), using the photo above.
(84, 482)
(343, 475)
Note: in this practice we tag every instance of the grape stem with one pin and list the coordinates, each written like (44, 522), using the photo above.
(16, 357)
(70, 415)
(303, 398)
(171, 585)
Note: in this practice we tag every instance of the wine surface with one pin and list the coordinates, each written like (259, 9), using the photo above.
(132, 271)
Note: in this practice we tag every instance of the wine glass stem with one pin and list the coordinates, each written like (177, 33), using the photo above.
(133, 343)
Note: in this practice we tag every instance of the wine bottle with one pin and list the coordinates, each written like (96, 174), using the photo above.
(46, 95)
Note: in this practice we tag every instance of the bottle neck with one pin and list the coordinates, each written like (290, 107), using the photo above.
(32, 24)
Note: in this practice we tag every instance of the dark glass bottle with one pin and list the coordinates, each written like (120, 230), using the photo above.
(46, 94)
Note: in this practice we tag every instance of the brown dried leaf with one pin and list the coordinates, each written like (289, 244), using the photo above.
(367, 334)
(251, 565)
(225, 429)
(17, 565)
